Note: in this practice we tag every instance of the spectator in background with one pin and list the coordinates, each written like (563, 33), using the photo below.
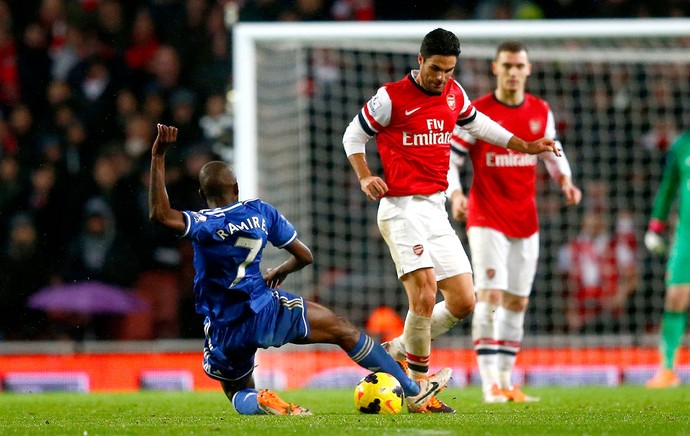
(96, 84)
(166, 71)
(10, 185)
(126, 107)
(191, 38)
(8, 143)
(43, 200)
(183, 113)
(599, 272)
(143, 44)
(33, 66)
(154, 105)
(99, 252)
(9, 75)
(217, 126)
(111, 26)
(21, 126)
(213, 73)
(137, 132)
(25, 269)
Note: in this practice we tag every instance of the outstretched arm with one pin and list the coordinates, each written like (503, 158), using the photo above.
(534, 147)
(159, 204)
(485, 128)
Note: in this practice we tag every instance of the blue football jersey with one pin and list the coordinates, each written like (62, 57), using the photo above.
(228, 245)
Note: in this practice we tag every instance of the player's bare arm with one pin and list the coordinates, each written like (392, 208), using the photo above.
(572, 193)
(373, 186)
(300, 256)
(159, 203)
(458, 205)
(535, 147)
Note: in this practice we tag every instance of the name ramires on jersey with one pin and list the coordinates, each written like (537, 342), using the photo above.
(510, 160)
(250, 223)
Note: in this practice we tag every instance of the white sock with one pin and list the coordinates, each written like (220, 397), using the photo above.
(442, 320)
(417, 339)
(509, 333)
(396, 348)
(485, 343)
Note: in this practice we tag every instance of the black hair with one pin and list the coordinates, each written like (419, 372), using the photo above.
(440, 42)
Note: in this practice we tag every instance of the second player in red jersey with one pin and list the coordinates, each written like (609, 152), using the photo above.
(504, 182)
(501, 213)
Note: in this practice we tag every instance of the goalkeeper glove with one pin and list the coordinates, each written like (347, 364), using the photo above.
(653, 239)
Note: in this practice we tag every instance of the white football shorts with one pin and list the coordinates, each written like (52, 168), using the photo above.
(419, 235)
(499, 262)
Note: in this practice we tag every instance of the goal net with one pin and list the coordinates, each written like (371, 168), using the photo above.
(620, 92)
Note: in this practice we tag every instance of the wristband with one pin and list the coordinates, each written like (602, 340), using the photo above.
(656, 225)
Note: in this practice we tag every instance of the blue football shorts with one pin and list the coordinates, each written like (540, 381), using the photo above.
(229, 350)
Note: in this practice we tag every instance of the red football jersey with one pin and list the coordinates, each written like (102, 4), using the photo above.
(503, 192)
(413, 129)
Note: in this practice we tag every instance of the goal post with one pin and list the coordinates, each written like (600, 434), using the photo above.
(619, 89)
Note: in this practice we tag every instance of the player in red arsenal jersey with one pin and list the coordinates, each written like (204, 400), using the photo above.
(413, 120)
(501, 213)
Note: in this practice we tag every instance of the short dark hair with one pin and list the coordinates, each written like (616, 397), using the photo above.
(440, 42)
(511, 47)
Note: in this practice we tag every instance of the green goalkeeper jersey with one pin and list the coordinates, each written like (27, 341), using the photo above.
(676, 175)
(676, 178)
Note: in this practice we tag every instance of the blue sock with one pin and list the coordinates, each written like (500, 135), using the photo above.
(244, 402)
(371, 355)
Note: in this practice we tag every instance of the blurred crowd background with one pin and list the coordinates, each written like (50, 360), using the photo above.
(82, 85)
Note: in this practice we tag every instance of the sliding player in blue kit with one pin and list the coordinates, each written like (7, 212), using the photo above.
(246, 310)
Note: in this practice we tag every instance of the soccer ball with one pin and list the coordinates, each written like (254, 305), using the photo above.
(379, 393)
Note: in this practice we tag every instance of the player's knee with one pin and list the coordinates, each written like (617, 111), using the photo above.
(462, 306)
(423, 303)
(515, 303)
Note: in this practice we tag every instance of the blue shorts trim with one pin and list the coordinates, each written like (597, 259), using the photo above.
(229, 350)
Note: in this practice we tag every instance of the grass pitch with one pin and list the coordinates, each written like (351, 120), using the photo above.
(562, 411)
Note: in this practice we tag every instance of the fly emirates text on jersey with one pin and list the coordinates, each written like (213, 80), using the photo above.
(434, 136)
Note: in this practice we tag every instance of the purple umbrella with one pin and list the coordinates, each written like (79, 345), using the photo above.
(89, 297)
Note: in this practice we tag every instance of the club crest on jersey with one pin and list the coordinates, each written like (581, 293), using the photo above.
(490, 273)
(535, 126)
(450, 99)
(418, 249)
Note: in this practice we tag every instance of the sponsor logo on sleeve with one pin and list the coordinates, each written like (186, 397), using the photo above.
(374, 104)
(198, 217)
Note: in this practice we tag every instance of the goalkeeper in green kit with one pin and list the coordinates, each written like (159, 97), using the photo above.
(676, 177)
